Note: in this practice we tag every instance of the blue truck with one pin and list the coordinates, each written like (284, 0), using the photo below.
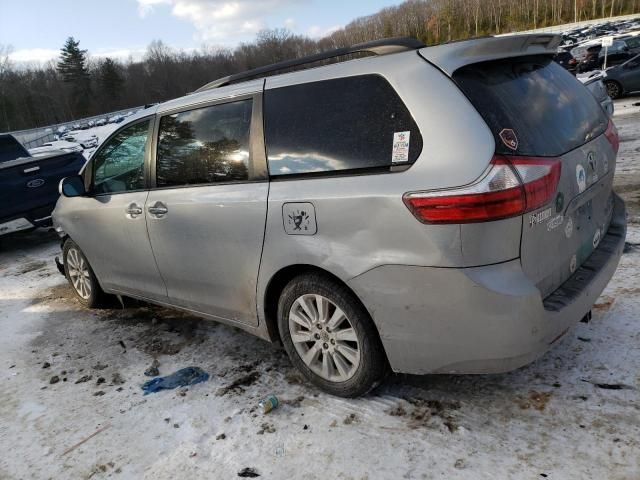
(29, 185)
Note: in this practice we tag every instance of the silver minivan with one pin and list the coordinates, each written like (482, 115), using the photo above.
(444, 209)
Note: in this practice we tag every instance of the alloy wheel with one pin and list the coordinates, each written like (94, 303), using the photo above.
(324, 338)
(613, 90)
(78, 270)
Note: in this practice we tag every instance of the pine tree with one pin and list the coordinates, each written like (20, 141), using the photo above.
(111, 82)
(73, 68)
(73, 62)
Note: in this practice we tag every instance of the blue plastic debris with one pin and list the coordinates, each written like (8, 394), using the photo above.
(181, 378)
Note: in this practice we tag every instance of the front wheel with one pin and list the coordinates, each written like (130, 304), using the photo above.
(614, 90)
(81, 276)
(329, 336)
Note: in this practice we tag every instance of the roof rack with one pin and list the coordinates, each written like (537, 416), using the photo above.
(378, 47)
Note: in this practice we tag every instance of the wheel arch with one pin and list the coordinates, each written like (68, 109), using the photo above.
(278, 282)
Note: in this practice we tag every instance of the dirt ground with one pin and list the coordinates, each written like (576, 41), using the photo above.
(71, 404)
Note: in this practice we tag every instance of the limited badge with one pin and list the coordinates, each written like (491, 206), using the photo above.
(568, 228)
(581, 178)
(555, 222)
(509, 138)
(574, 264)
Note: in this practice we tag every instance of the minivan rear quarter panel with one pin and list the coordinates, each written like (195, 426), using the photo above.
(362, 221)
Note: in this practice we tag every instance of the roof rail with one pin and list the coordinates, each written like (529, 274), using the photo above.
(377, 47)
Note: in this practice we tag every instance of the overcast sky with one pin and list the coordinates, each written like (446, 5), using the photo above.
(36, 29)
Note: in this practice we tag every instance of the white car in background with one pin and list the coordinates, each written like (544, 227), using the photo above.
(54, 147)
(90, 141)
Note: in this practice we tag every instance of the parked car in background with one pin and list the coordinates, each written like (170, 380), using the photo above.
(86, 142)
(250, 202)
(56, 146)
(567, 61)
(598, 89)
(586, 56)
(624, 78)
(116, 118)
(29, 185)
(594, 57)
(100, 122)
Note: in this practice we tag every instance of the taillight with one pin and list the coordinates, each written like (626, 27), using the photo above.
(512, 187)
(573, 61)
(612, 136)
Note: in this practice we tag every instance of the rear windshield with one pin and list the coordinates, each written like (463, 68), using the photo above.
(10, 149)
(532, 105)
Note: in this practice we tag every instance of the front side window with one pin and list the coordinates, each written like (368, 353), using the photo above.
(351, 123)
(206, 145)
(119, 165)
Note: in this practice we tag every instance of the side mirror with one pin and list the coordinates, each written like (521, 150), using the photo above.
(72, 186)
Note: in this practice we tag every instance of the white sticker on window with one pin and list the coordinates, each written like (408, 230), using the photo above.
(400, 147)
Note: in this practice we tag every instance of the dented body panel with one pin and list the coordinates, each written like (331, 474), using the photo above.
(471, 297)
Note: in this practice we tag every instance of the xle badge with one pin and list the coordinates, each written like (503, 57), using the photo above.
(299, 218)
(509, 138)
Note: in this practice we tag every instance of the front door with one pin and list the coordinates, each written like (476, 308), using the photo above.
(207, 214)
(109, 224)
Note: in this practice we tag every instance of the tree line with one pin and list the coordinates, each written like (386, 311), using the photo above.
(77, 85)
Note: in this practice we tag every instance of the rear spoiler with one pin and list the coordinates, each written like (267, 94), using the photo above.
(449, 57)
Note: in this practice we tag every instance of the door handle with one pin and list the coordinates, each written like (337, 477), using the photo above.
(158, 209)
(134, 210)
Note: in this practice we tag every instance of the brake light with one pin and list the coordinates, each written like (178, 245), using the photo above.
(612, 136)
(512, 187)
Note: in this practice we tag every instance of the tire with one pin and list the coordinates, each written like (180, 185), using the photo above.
(80, 276)
(614, 89)
(340, 327)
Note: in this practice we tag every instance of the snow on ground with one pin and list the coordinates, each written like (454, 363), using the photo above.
(573, 414)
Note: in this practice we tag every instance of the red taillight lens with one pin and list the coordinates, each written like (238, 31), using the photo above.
(540, 177)
(612, 136)
(513, 186)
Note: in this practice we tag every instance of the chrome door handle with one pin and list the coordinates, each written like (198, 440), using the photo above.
(158, 209)
(134, 210)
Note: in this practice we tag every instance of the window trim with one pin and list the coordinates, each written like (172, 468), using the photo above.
(90, 164)
(257, 152)
(351, 172)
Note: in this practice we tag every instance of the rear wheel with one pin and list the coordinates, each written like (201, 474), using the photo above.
(329, 336)
(614, 89)
(81, 276)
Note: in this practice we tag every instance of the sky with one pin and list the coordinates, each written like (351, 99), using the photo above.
(36, 29)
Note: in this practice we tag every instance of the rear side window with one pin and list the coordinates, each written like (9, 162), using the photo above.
(344, 124)
(548, 110)
(205, 145)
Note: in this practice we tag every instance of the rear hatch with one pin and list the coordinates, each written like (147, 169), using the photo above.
(536, 109)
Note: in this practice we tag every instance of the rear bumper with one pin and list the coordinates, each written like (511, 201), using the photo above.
(480, 320)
